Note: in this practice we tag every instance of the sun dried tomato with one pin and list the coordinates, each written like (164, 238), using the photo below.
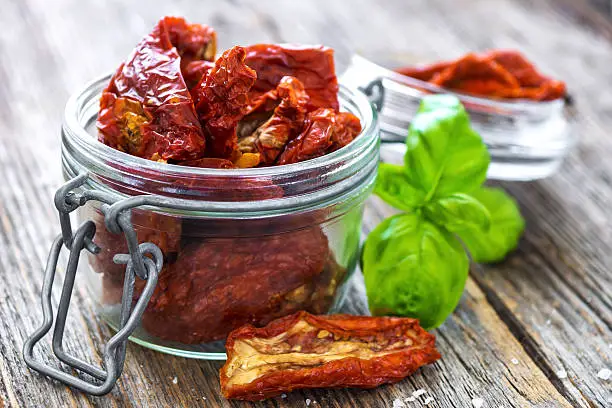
(270, 138)
(146, 110)
(194, 42)
(312, 65)
(314, 140)
(426, 72)
(346, 128)
(533, 84)
(203, 295)
(471, 71)
(195, 71)
(307, 351)
(325, 130)
(497, 74)
(222, 99)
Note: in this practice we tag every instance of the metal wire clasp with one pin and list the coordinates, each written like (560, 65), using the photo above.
(144, 260)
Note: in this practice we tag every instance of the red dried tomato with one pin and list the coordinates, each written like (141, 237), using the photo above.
(306, 351)
(426, 72)
(194, 42)
(497, 74)
(195, 71)
(270, 138)
(533, 85)
(312, 65)
(222, 99)
(472, 71)
(146, 110)
(324, 131)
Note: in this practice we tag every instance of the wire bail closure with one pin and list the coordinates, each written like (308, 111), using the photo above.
(144, 260)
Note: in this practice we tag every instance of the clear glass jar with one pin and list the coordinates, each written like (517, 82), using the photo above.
(264, 242)
(527, 140)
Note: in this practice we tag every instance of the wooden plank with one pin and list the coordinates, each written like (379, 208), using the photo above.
(45, 56)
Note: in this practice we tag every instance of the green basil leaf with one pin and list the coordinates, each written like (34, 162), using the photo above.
(393, 186)
(459, 211)
(507, 225)
(413, 268)
(444, 155)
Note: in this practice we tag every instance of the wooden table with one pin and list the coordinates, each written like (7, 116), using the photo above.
(532, 331)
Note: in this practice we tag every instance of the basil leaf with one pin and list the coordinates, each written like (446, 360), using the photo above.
(413, 268)
(393, 186)
(444, 155)
(507, 225)
(459, 211)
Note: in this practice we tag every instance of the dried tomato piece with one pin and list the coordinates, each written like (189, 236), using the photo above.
(222, 99)
(194, 71)
(426, 72)
(146, 110)
(346, 128)
(258, 112)
(270, 138)
(194, 42)
(533, 84)
(307, 351)
(497, 74)
(312, 65)
(325, 130)
(314, 140)
(518, 66)
(470, 71)
(217, 285)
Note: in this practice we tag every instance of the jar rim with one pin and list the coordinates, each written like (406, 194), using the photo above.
(309, 184)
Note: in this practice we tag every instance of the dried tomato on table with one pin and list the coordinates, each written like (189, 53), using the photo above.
(312, 65)
(147, 110)
(500, 74)
(306, 351)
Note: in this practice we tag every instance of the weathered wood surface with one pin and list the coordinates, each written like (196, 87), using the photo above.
(546, 309)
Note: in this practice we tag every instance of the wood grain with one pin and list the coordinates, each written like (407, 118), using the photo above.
(548, 308)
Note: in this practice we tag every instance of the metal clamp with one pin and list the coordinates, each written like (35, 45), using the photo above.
(144, 260)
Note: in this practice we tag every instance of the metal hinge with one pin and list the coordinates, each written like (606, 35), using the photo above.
(144, 260)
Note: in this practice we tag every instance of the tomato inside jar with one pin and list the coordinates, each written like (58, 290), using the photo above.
(263, 185)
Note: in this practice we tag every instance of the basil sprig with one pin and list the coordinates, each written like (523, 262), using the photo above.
(415, 263)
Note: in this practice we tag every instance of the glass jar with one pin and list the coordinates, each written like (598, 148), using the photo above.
(262, 243)
(527, 140)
